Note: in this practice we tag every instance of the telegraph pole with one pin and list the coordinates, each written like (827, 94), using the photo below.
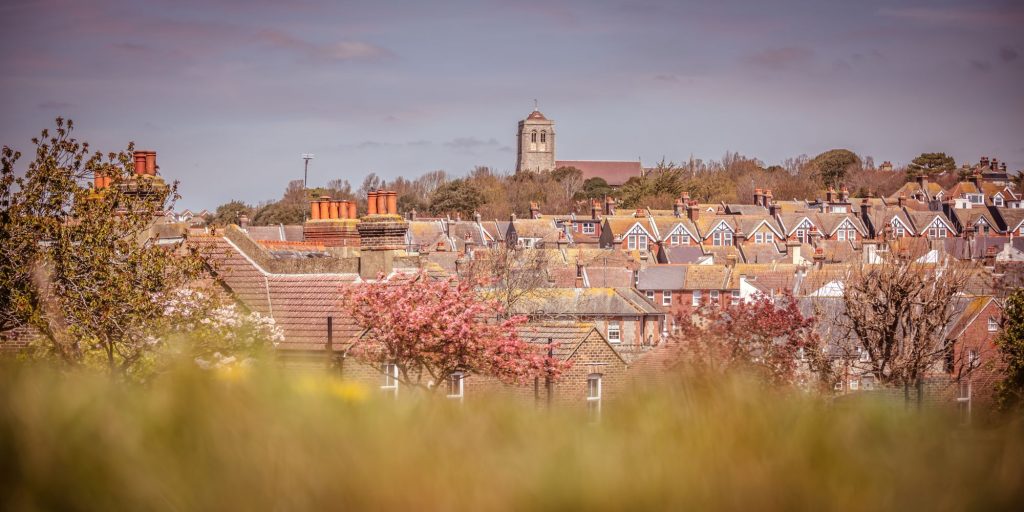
(305, 174)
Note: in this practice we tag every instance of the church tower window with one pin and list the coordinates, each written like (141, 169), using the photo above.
(543, 136)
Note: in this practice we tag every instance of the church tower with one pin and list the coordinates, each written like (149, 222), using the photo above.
(536, 143)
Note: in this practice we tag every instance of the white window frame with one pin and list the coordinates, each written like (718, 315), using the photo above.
(841, 235)
(769, 237)
(716, 297)
(666, 298)
(650, 295)
(614, 331)
(758, 238)
(390, 371)
(589, 228)
(973, 358)
(734, 297)
(695, 302)
(593, 394)
(457, 382)
(998, 201)
(993, 324)
(854, 384)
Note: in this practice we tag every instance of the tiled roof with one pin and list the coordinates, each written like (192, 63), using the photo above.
(762, 253)
(706, 277)
(615, 173)
(683, 254)
(585, 302)
(565, 336)
(608, 277)
(816, 278)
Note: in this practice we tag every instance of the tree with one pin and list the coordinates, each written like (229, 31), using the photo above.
(230, 213)
(431, 329)
(86, 275)
(930, 164)
(594, 188)
(769, 338)
(456, 196)
(509, 274)
(1010, 390)
(832, 166)
(896, 313)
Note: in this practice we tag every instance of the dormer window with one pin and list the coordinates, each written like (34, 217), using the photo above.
(998, 201)
(976, 198)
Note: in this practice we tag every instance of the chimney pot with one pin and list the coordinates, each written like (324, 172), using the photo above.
(371, 202)
(382, 202)
(314, 210)
(98, 181)
(140, 162)
(332, 209)
(151, 163)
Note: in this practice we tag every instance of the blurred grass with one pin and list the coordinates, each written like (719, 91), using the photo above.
(255, 440)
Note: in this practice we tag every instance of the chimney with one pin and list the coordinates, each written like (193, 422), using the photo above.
(692, 211)
(392, 199)
(595, 209)
(844, 194)
(512, 217)
(98, 181)
(976, 179)
(819, 257)
(352, 210)
(458, 216)
(371, 203)
(534, 210)
(758, 193)
(412, 214)
(994, 164)
(609, 206)
(382, 202)
(677, 208)
(441, 247)
(468, 244)
(314, 210)
(562, 240)
(1002, 167)
(767, 198)
(830, 194)
(477, 217)
(773, 207)
(794, 252)
(902, 200)
(640, 213)
(140, 162)
(984, 161)
(730, 260)
(740, 237)
(886, 166)
(151, 163)
(865, 208)
(243, 221)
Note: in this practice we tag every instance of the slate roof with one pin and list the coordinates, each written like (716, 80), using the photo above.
(662, 277)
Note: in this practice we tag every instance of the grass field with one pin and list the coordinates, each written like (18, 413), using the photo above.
(259, 440)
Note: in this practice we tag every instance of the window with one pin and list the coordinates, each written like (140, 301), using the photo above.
(838, 386)
(455, 385)
(543, 136)
(533, 136)
(588, 228)
(594, 395)
(998, 201)
(673, 240)
(867, 383)
(973, 358)
(721, 236)
(390, 372)
(851, 234)
(993, 324)
(715, 297)
(841, 235)
(976, 198)
(769, 238)
(964, 400)
(614, 331)
(650, 295)
(897, 229)
(854, 384)
(864, 355)
(696, 298)
(800, 235)
(759, 238)
(735, 300)
(666, 298)
(636, 242)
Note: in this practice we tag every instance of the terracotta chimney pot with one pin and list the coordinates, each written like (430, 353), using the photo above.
(140, 162)
(392, 202)
(325, 207)
(333, 209)
(371, 203)
(106, 180)
(352, 214)
(382, 202)
(314, 210)
(151, 163)
(97, 181)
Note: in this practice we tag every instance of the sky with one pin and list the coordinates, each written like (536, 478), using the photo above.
(231, 93)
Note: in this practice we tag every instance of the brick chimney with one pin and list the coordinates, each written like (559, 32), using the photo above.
(984, 161)
(677, 207)
(730, 260)
(640, 213)
(758, 195)
(477, 217)
(534, 210)
(1002, 167)
(902, 200)
(773, 207)
(609, 205)
(692, 211)
(976, 179)
(844, 194)
(325, 207)
(819, 257)
(768, 198)
(886, 166)
(740, 237)
(830, 194)
(243, 221)
(595, 209)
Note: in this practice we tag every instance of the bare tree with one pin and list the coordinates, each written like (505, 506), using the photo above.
(896, 314)
(510, 274)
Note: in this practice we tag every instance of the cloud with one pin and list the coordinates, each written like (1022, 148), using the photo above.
(338, 51)
(54, 105)
(957, 15)
(470, 143)
(1007, 54)
(983, 66)
(781, 58)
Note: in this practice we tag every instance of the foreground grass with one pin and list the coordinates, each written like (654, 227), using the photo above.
(266, 441)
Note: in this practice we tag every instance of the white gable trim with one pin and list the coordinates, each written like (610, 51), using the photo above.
(850, 225)
(765, 223)
(937, 219)
(801, 222)
(637, 229)
(896, 219)
(716, 228)
(680, 227)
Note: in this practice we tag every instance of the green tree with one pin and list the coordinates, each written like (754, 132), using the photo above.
(594, 188)
(230, 212)
(930, 164)
(832, 166)
(456, 196)
(78, 264)
(1010, 390)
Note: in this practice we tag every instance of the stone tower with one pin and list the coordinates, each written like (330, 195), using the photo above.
(536, 143)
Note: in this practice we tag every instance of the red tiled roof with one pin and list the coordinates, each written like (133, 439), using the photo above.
(536, 115)
(615, 173)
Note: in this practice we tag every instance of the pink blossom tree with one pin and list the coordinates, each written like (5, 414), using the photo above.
(431, 329)
(769, 338)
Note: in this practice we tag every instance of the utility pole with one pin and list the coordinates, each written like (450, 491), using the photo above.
(305, 174)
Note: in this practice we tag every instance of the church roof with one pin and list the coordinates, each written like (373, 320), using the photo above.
(615, 173)
(536, 115)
